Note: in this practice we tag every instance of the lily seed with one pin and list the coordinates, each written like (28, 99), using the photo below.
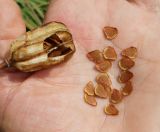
(90, 100)
(127, 89)
(103, 66)
(103, 79)
(116, 96)
(109, 53)
(130, 52)
(89, 88)
(126, 63)
(100, 91)
(125, 76)
(110, 32)
(111, 110)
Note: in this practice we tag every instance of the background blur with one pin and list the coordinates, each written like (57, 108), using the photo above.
(33, 12)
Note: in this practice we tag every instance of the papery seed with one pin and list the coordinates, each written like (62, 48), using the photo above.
(126, 63)
(103, 79)
(103, 66)
(111, 110)
(90, 100)
(95, 56)
(116, 96)
(100, 91)
(89, 88)
(130, 52)
(125, 76)
(109, 53)
(127, 89)
(110, 32)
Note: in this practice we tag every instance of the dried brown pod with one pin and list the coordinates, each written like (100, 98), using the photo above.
(127, 89)
(45, 46)
(89, 88)
(95, 56)
(90, 100)
(110, 32)
(130, 52)
(116, 96)
(103, 79)
(126, 63)
(100, 91)
(109, 53)
(111, 110)
(125, 76)
(103, 66)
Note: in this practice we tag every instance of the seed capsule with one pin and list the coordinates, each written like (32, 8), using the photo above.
(110, 32)
(116, 96)
(109, 53)
(130, 52)
(103, 66)
(125, 76)
(111, 110)
(126, 63)
(90, 100)
(89, 88)
(127, 89)
(100, 91)
(103, 79)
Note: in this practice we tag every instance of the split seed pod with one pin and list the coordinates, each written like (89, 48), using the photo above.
(38, 49)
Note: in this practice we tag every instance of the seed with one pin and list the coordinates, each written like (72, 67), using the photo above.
(109, 53)
(90, 100)
(116, 96)
(126, 63)
(110, 32)
(103, 79)
(111, 110)
(130, 52)
(127, 89)
(100, 91)
(103, 66)
(125, 76)
(89, 88)
(95, 56)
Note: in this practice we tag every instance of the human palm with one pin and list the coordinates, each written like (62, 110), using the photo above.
(52, 99)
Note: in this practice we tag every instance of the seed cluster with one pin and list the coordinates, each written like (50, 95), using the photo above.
(103, 62)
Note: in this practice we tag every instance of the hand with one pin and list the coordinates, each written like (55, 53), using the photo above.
(52, 100)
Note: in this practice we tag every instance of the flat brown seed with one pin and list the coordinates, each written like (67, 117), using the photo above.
(109, 53)
(111, 110)
(90, 100)
(89, 88)
(125, 76)
(110, 32)
(126, 63)
(95, 56)
(116, 96)
(130, 52)
(100, 91)
(127, 89)
(103, 79)
(103, 66)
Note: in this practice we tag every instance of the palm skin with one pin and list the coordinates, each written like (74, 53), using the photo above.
(52, 100)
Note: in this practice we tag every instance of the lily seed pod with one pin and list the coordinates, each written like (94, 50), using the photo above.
(130, 52)
(109, 53)
(45, 46)
(110, 32)
(125, 76)
(126, 63)
(90, 100)
(116, 96)
(89, 88)
(127, 89)
(111, 110)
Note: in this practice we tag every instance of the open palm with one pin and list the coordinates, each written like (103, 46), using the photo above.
(52, 100)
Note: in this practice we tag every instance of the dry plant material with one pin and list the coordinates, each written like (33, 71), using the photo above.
(111, 110)
(127, 89)
(103, 79)
(90, 99)
(125, 76)
(95, 56)
(130, 52)
(100, 91)
(109, 53)
(110, 32)
(89, 88)
(103, 66)
(126, 63)
(116, 96)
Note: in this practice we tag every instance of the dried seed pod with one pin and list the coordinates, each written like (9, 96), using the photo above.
(130, 52)
(43, 47)
(125, 76)
(127, 89)
(95, 56)
(110, 32)
(89, 88)
(103, 66)
(100, 91)
(90, 100)
(111, 110)
(103, 79)
(116, 96)
(126, 63)
(109, 53)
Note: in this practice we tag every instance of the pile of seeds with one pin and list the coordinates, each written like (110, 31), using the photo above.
(103, 62)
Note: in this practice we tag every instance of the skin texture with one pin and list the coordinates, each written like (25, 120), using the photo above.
(52, 99)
